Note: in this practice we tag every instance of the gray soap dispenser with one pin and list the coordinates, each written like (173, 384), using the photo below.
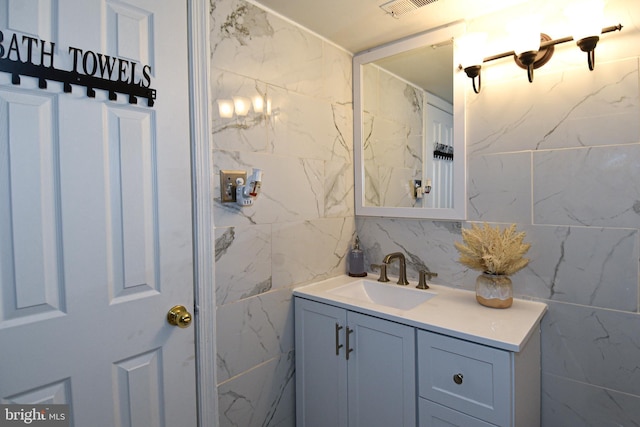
(356, 260)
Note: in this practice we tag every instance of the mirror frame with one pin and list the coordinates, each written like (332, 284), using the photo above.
(459, 210)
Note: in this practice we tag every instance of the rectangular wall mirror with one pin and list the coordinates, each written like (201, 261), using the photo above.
(409, 128)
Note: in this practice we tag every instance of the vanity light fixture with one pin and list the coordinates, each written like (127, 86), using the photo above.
(240, 106)
(585, 19)
(526, 37)
(258, 103)
(225, 108)
(262, 105)
(471, 48)
(534, 49)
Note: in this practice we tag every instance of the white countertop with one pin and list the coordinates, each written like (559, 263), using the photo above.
(452, 312)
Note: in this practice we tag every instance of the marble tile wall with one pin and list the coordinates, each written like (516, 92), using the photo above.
(301, 225)
(560, 157)
(393, 126)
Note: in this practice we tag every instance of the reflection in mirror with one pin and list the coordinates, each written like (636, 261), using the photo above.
(404, 122)
(408, 148)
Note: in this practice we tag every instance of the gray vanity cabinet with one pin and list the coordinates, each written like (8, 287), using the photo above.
(446, 362)
(361, 370)
(352, 369)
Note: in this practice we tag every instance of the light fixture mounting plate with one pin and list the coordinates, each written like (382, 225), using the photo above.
(542, 57)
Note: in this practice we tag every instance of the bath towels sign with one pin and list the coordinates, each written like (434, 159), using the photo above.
(442, 151)
(23, 55)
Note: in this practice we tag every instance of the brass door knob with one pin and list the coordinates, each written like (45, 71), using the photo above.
(179, 316)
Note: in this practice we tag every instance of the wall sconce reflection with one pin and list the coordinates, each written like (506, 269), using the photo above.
(258, 104)
(262, 105)
(240, 106)
(225, 108)
(533, 49)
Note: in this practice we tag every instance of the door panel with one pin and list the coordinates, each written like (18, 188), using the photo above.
(439, 130)
(56, 393)
(139, 390)
(130, 32)
(33, 17)
(381, 372)
(95, 221)
(30, 267)
(132, 205)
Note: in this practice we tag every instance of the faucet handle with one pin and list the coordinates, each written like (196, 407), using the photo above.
(383, 271)
(424, 276)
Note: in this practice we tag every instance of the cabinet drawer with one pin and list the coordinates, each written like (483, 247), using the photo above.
(468, 377)
(434, 415)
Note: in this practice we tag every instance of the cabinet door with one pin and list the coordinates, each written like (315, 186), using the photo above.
(321, 367)
(434, 415)
(381, 368)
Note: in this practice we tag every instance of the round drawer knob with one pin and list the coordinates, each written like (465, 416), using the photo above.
(457, 378)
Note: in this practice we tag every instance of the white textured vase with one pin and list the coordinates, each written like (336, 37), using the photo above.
(494, 290)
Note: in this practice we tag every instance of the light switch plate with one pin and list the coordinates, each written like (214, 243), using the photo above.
(228, 184)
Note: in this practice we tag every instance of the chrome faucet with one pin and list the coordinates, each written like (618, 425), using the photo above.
(402, 276)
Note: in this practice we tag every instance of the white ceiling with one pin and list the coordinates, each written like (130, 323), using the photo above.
(357, 25)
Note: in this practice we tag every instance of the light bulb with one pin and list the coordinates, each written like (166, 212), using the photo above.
(241, 105)
(225, 108)
(585, 18)
(471, 50)
(525, 34)
(471, 47)
(258, 104)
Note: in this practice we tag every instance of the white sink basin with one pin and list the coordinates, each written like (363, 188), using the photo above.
(386, 294)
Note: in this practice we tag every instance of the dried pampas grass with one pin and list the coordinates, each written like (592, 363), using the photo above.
(492, 251)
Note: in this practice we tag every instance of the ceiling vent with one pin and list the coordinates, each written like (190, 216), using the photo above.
(396, 8)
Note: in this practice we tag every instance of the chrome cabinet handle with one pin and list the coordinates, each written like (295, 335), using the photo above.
(457, 378)
(338, 345)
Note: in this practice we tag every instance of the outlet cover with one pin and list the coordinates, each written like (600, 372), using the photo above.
(228, 184)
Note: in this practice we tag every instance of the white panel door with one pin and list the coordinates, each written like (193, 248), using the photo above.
(439, 129)
(95, 221)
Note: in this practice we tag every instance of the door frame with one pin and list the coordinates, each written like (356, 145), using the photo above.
(203, 236)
